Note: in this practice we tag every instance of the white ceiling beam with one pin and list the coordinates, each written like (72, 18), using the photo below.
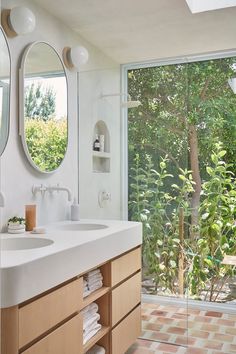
(208, 5)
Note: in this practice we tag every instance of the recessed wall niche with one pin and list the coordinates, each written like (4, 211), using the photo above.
(101, 159)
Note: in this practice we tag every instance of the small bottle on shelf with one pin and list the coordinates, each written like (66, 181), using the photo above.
(96, 144)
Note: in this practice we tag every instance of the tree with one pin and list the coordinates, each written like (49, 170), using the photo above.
(39, 103)
(186, 109)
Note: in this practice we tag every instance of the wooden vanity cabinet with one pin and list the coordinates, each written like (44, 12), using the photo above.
(51, 323)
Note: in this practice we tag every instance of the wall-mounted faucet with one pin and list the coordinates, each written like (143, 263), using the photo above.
(57, 188)
(43, 188)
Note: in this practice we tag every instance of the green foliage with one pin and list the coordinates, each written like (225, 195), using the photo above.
(39, 103)
(16, 219)
(151, 204)
(158, 210)
(175, 99)
(46, 142)
(217, 227)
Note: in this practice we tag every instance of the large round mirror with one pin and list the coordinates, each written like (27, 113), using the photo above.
(5, 72)
(43, 107)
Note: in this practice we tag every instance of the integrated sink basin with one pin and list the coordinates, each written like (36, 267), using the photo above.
(24, 243)
(79, 227)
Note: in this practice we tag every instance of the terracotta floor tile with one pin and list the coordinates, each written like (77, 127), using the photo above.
(228, 323)
(213, 344)
(205, 332)
(213, 314)
(185, 340)
(197, 351)
(158, 336)
(168, 348)
(209, 327)
(198, 334)
(176, 330)
(223, 337)
(204, 319)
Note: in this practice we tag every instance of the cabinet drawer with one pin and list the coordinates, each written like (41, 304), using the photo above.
(125, 297)
(125, 266)
(66, 339)
(47, 311)
(126, 333)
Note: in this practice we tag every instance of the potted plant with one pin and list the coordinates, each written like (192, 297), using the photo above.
(16, 225)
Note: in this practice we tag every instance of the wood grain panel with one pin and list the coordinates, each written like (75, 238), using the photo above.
(126, 333)
(47, 311)
(125, 297)
(66, 339)
(124, 266)
(9, 330)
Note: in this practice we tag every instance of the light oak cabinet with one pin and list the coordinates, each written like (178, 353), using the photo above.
(52, 322)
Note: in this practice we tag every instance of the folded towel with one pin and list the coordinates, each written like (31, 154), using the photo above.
(90, 321)
(86, 293)
(94, 279)
(93, 272)
(89, 310)
(97, 349)
(92, 333)
(95, 286)
(90, 328)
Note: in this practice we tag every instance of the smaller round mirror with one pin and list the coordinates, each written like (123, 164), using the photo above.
(5, 72)
(43, 107)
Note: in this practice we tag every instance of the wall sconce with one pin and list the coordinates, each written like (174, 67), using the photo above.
(17, 21)
(75, 57)
(129, 103)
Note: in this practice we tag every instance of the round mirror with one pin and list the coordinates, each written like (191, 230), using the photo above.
(5, 72)
(43, 107)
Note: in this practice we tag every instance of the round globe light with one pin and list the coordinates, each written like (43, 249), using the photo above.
(22, 20)
(79, 56)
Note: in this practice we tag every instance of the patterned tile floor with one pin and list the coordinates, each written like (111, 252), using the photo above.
(188, 331)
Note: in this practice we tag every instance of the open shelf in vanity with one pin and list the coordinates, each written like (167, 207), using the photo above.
(52, 322)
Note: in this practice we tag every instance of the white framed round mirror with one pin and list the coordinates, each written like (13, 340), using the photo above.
(5, 86)
(43, 105)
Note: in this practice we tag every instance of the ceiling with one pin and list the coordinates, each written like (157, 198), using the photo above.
(140, 30)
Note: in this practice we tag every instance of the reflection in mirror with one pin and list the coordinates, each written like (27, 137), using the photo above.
(43, 121)
(5, 69)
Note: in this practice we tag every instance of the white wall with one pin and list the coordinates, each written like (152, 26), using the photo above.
(93, 109)
(16, 175)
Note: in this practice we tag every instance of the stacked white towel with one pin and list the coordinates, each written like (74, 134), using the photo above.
(94, 280)
(86, 291)
(90, 321)
(96, 350)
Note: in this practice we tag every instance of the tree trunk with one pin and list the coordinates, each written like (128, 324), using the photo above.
(194, 166)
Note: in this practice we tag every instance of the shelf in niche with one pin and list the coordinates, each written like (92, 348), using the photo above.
(101, 159)
(101, 154)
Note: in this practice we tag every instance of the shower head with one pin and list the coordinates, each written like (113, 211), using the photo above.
(130, 103)
(125, 104)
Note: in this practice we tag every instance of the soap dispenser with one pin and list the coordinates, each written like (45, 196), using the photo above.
(75, 211)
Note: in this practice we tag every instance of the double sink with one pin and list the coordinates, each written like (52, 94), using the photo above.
(31, 264)
(26, 242)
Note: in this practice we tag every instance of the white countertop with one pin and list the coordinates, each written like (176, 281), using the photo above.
(27, 273)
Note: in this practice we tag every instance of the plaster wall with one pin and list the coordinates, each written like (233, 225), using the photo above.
(16, 175)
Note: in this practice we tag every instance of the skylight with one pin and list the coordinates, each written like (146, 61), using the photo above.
(208, 5)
